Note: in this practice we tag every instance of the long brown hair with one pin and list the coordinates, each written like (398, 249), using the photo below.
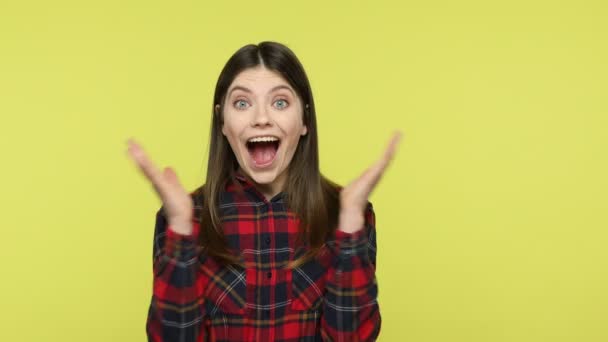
(313, 198)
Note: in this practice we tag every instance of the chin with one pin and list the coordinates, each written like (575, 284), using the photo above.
(263, 178)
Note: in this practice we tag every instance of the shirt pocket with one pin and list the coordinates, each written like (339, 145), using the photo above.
(308, 286)
(226, 292)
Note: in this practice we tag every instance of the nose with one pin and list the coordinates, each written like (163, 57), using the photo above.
(261, 117)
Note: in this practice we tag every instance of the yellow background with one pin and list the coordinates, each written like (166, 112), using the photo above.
(491, 220)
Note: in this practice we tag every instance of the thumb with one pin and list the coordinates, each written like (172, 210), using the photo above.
(170, 176)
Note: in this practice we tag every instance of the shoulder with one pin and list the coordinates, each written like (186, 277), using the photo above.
(197, 200)
(197, 195)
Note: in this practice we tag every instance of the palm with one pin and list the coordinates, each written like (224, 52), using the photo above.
(355, 195)
(176, 200)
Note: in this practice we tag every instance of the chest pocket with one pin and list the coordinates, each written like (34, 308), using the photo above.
(226, 290)
(308, 286)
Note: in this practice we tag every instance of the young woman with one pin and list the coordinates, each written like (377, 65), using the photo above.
(267, 249)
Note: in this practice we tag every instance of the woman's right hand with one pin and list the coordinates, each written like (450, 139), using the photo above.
(176, 200)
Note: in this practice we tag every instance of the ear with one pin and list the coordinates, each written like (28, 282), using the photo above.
(216, 111)
(304, 128)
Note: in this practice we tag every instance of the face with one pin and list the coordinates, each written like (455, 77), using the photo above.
(263, 123)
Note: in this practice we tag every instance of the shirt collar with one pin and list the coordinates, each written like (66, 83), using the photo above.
(239, 175)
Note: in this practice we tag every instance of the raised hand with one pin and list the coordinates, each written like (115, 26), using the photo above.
(176, 200)
(354, 196)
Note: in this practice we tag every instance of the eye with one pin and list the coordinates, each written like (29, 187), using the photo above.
(238, 102)
(282, 103)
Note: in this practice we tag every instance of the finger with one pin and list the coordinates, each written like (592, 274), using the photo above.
(147, 166)
(367, 180)
(392, 146)
(171, 177)
(142, 160)
(389, 153)
(374, 173)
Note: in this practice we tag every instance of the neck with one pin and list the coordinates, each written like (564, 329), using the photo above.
(268, 190)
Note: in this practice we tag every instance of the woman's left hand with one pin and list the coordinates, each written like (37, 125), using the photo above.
(354, 196)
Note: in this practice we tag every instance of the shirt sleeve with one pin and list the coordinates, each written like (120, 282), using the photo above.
(176, 307)
(350, 308)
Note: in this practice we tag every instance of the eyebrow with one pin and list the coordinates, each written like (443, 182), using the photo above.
(247, 90)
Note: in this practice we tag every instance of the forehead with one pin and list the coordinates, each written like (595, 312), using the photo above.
(259, 80)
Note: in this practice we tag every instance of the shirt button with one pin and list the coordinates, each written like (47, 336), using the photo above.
(269, 275)
(268, 240)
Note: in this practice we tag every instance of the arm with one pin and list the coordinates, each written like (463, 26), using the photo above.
(176, 308)
(350, 309)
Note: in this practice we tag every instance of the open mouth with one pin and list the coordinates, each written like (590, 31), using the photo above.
(263, 150)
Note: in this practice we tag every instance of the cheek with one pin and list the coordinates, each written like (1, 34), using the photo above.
(234, 124)
(292, 124)
(294, 134)
(294, 140)
(231, 136)
(230, 128)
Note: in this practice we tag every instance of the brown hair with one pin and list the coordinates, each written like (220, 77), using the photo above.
(313, 198)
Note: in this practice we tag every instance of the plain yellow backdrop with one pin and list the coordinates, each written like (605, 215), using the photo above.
(491, 219)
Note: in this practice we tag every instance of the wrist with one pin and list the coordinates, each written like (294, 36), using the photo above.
(351, 220)
(182, 227)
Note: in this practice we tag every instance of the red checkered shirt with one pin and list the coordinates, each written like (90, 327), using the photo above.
(330, 298)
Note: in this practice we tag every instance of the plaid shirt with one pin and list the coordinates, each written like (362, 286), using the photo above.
(331, 298)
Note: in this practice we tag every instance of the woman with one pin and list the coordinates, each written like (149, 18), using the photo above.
(267, 249)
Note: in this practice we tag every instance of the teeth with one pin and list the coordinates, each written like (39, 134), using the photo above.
(258, 139)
